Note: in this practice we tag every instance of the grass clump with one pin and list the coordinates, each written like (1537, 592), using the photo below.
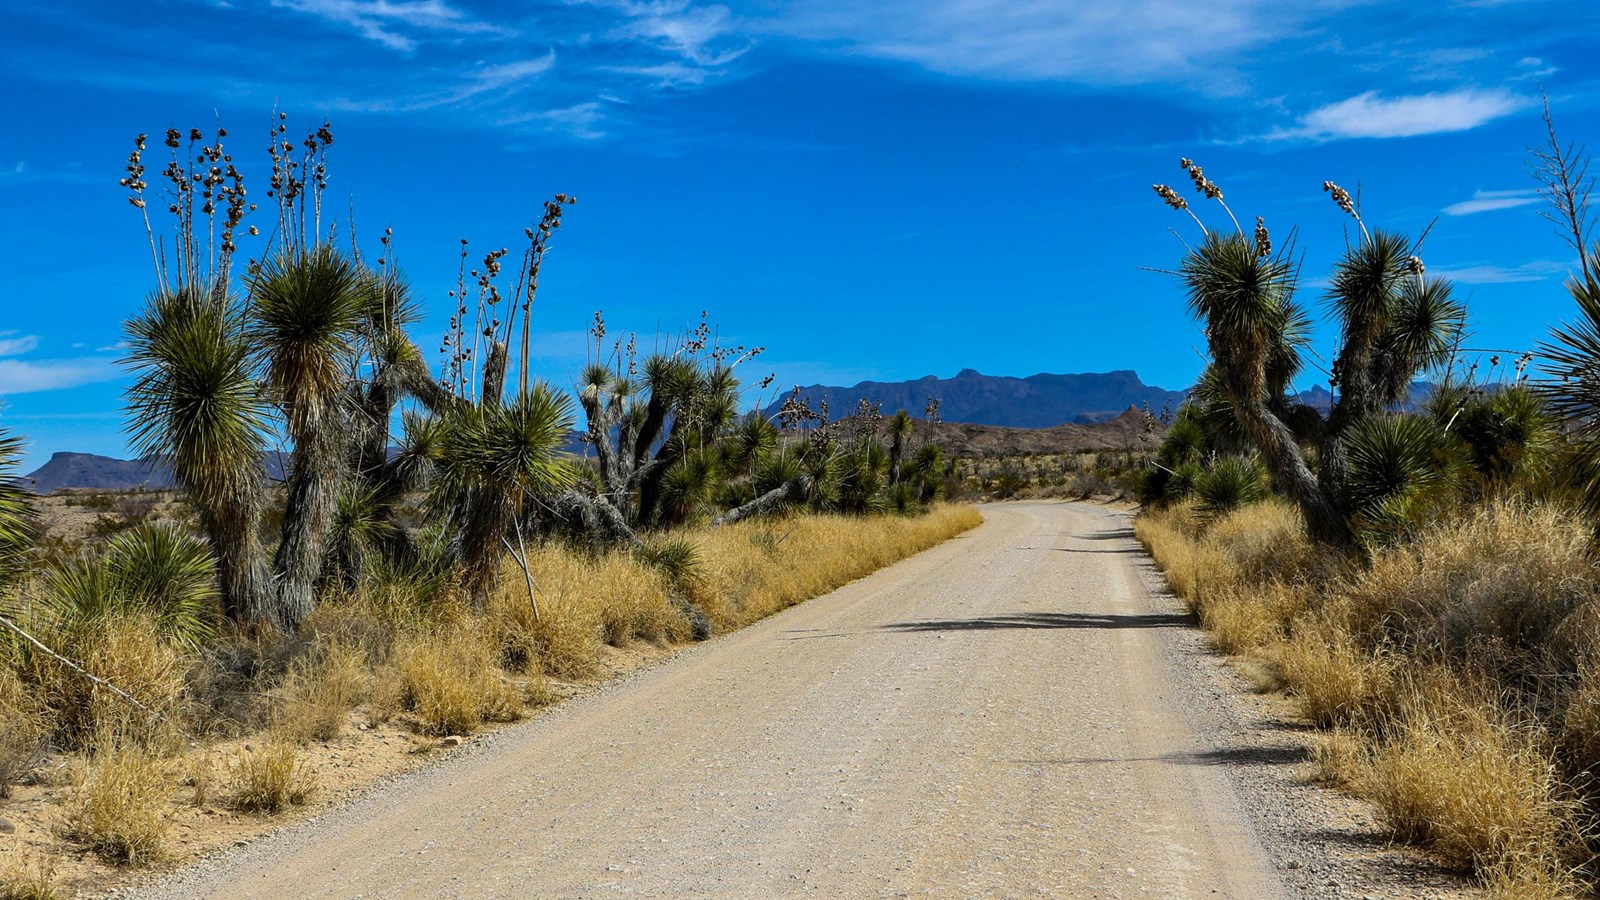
(120, 809)
(24, 730)
(25, 876)
(1457, 666)
(1476, 786)
(270, 779)
(320, 690)
(452, 682)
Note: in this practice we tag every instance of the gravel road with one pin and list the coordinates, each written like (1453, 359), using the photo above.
(998, 716)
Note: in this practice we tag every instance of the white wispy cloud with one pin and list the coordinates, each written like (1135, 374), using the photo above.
(1489, 201)
(475, 81)
(1371, 115)
(580, 120)
(18, 376)
(1538, 270)
(692, 32)
(392, 23)
(1135, 42)
(16, 346)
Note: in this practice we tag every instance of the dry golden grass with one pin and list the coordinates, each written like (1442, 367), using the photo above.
(1205, 558)
(1335, 681)
(744, 572)
(754, 569)
(319, 692)
(120, 808)
(1416, 650)
(1501, 581)
(1245, 618)
(127, 652)
(26, 876)
(452, 680)
(1340, 759)
(1475, 785)
(270, 778)
(24, 730)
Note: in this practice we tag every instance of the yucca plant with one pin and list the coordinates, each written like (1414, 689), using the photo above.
(495, 459)
(170, 575)
(1388, 457)
(1394, 322)
(901, 426)
(151, 571)
(196, 404)
(1229, 483)
(306, 305)
(18, 519)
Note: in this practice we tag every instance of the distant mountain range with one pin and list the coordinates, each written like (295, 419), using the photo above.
(1038, 401)
(91, 472)
(1054, 408)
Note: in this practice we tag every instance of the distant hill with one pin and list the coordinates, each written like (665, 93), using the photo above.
(91, 472)
(1129, 431)
(88, 471)
(1321, 399)
(1038, 401)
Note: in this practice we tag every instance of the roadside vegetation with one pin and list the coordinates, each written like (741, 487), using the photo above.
(1421, 577)
(437, 546)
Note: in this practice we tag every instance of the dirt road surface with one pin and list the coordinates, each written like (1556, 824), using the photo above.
(993, 717)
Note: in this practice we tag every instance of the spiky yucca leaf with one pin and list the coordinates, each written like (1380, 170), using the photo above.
(1390, 456)
(679, 559)
(1367, 281)
(1181, 480)
(1501, 430)
(1229, 483)
(363, 524)
(1572, 358)
(689, 484)
(169, 575)
(1246, 303)
(195, 399)
(1423, 331)
(18, 519)
(306, 306)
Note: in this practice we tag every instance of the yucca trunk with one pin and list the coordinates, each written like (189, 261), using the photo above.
(316, 467)
(1325, 522)
(231, 532)
(791, 491)
(486, 515)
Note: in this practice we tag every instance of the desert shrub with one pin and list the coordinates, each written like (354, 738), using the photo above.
(1474, 784)
(126, 651)
(1495, 587)
(452, 681)
(269, 779)
(320, 690)
(28, 876)
(119, 810)
(1335, 680)
(1242, 619)
(25, 876)
(24, 730)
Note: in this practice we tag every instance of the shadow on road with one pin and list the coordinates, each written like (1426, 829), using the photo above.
(1221, 756)
(1046, 620)
(1118, 534)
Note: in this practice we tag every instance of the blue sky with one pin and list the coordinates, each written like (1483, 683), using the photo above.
(882, 190)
